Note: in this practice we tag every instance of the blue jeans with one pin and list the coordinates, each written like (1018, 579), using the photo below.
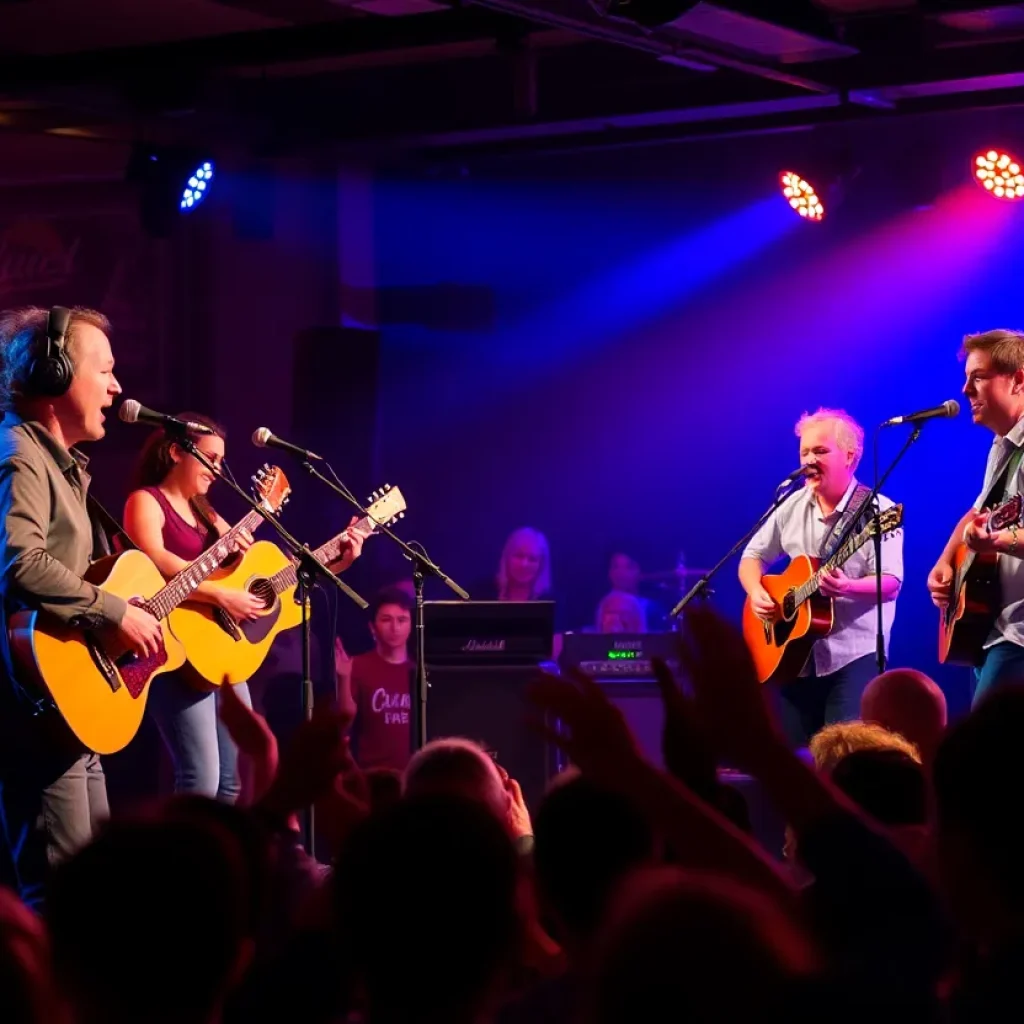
(1004, 663)
(809, 703)
(204, 756)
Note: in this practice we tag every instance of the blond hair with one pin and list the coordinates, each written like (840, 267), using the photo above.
(830, 745)
(542, 584)
(1005, 347)
(848, 432)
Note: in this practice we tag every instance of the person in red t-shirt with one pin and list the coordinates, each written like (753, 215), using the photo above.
(376, 686)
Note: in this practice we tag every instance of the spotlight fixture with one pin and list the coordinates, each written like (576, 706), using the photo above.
(821, 185)
(196, 188)
(802, 196)
(999, 174)
(171, 181)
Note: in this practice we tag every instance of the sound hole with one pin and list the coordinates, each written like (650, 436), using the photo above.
(783, 628)
(789, 605)
(263, 589)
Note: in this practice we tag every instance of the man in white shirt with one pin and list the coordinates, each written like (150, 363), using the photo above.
(812, 522)
(995, 388)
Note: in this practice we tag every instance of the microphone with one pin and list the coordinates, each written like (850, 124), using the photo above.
(795, 475)
(945, 411)
(263, 438)
(132, 412)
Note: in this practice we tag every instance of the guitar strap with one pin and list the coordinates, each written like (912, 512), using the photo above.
(837, 531)
(999, 491)
(107, 532)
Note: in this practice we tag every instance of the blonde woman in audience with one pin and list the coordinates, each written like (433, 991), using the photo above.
(524, 574)
(524, 571)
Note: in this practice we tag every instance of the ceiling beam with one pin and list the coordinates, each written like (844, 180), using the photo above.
(194, 57)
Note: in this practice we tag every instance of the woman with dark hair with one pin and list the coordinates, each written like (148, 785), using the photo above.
(170, 517)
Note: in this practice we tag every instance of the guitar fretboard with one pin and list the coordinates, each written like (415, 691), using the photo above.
(808, 589)
(288, 577)
(181, 586)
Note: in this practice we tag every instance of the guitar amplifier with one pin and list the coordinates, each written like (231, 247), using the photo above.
(619, 657)
(488, 632)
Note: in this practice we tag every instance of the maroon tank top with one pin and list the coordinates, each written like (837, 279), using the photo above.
(181, 538)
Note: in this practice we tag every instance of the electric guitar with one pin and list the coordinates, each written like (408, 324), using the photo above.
(221, 650)
(99, 687)
(780, 648)
(975, 594)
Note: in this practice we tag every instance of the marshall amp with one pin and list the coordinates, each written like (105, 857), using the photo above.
(468, 633)
(480, 656)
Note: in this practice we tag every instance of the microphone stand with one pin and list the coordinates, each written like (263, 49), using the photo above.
(700, 588)
(307, 570)
(422, 566)
(876, 512)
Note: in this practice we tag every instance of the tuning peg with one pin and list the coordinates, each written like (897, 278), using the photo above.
(401, 515)
(387, 487)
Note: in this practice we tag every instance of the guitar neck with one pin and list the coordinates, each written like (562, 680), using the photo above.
(288, 577)
(184, 583)
(840, 557)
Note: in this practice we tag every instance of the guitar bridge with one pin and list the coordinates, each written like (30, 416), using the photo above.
(227, 623)
(103, 662)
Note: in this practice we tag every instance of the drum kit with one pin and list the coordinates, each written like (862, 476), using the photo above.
(670, 585)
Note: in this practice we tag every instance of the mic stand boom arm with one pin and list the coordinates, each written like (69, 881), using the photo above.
(700, 588)
(422, 566)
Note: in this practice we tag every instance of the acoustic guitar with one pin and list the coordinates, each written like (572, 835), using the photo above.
(221, 650)
(99, 687)
(975, 594)
(780, 648)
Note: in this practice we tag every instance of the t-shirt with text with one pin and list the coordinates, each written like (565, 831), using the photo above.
(381, 691)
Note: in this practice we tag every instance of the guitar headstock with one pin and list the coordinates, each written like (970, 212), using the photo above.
(271, 488)
(888, 522)
(1006, 514)
(388, 505)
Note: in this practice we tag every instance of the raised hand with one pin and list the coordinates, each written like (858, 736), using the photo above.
(591, 730)
(729, 698)
(253, 737)
(685, 745)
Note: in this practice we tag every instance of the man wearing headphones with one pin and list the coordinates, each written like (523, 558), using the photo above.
(56, 378)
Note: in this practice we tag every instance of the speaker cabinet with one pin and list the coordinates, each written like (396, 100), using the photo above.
(489, 705)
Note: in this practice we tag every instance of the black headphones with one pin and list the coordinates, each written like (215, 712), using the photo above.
(50, 373)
